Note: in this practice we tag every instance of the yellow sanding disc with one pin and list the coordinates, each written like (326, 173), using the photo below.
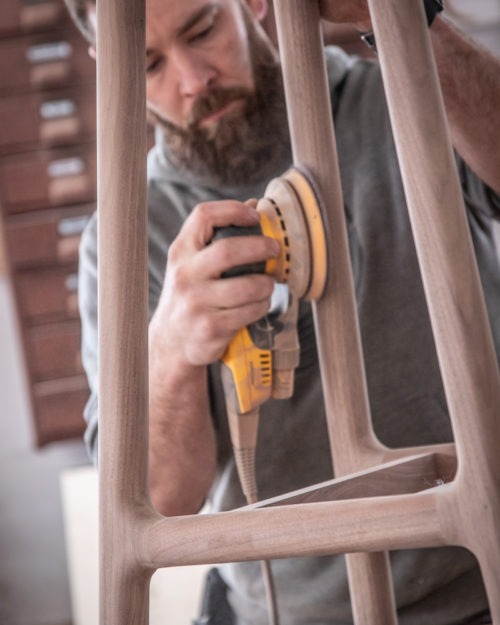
(291, 213)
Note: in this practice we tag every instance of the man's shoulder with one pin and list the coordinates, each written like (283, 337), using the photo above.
(344, 68)
(339, 64)
(171, 194)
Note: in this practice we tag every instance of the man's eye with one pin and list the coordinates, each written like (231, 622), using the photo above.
(202, 34)
(153, 65)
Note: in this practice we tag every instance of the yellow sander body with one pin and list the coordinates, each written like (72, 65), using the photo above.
(290, 213)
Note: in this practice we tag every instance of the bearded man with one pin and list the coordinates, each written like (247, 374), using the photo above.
(214, 92)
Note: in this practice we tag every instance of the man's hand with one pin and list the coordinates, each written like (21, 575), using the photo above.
(199, 312)
(347, 11)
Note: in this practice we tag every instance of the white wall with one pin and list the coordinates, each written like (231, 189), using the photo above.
(34, 588)
(480, 18)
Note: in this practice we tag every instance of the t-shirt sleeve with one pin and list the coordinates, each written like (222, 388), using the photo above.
(164, 222)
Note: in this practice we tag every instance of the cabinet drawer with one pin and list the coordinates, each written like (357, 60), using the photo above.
(34, 120)
(46, 237)
(45, 61)
(48, 178)
(58, 409)
(53, 351)
(24, 16)
(48, 295)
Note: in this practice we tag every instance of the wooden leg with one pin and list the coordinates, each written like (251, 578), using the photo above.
(314, 150)
(488, 561)
(449, 270)
(124, 596)
(123, 318)
(458, 314)
(370, 582)
(352, 439)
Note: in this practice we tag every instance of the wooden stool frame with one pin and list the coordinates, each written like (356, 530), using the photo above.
(382, 499)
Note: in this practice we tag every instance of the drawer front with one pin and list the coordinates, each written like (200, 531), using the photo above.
(45, 61)
(34, 120)
(48, 295)
(58, 409)
(53, 351)
(25, 16)
(47, 237)
(44, 179)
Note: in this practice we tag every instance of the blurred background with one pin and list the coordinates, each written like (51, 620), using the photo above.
(48, 489)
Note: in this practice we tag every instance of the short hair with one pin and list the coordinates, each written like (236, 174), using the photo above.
(78, 9)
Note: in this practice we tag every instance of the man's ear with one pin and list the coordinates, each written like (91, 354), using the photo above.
(92, 23)
(258, 8)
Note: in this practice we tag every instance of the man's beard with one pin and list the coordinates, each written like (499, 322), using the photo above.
(246, 146)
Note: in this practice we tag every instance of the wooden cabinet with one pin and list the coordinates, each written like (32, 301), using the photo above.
(45, 119)
(47, 178)
(47, 193)
(44, 61)
(21, 16)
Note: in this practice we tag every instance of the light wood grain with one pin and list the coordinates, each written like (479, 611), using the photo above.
(352, 440)
(333, 527)
(451, 280)
(123, 319)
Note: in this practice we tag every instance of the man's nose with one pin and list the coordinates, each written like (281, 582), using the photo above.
(194, 73)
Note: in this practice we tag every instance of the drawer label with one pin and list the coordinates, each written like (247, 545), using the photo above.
(66, 167)
(57, 108)
(47, 52)
(70, 226)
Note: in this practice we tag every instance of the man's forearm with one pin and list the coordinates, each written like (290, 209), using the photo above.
(470, 80)
(196, 317)
(182, 449)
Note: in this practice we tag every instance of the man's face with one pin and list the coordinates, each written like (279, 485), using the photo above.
(194, 46)
(213, 84)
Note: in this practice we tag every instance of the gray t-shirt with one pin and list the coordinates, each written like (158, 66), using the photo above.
(438, 586)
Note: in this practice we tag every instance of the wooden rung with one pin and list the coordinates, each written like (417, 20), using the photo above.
(410, 475)
(370, 524)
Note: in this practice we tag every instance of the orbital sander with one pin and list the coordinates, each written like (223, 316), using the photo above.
(260, 360)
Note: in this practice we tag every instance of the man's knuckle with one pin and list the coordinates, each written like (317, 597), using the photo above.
(178, 278)
(202, 212)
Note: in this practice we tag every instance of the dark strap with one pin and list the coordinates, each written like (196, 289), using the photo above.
(215, 609)
(432, 8)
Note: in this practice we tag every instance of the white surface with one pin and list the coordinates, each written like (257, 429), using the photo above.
(480, 13)
(175, 593)
(480, 19)
(33, 576)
